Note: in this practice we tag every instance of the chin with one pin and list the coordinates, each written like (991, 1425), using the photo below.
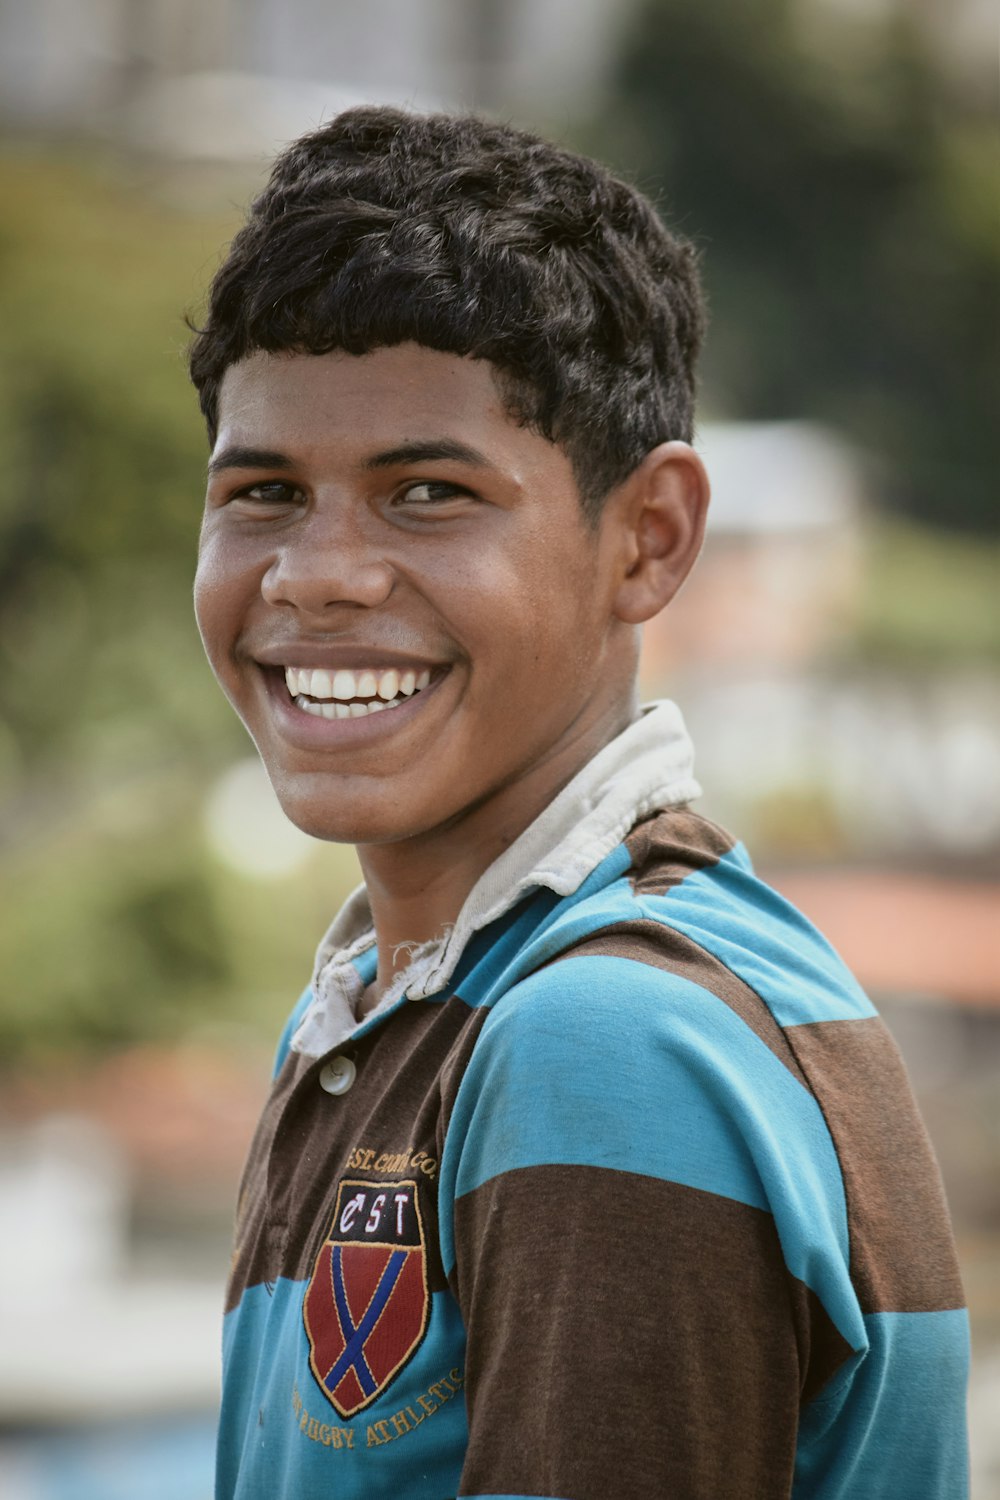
(338, 816)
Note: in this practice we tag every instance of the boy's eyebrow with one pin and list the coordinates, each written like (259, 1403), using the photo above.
(427, 451)
(421, 451)
(238, 457)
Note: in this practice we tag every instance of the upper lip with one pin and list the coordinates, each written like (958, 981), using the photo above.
(346, 654)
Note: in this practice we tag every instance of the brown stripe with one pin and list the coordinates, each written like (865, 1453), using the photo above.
(674, 1305)
(902, 1254)
(653, 943)
(386, 1126)
(668, 847)
(452, 1071)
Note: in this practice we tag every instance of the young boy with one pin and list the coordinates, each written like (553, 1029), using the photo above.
(588, 1172)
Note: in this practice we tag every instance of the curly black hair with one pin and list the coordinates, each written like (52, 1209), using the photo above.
(477, 239)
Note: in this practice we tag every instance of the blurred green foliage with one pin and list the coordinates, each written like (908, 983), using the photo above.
(929, 599)
(844, 187)
(121, 925)
(119, 922)
(103, 462)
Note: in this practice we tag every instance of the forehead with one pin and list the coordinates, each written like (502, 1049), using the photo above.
(309, 401)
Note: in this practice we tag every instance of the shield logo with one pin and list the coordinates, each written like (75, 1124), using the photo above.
(366, 1305)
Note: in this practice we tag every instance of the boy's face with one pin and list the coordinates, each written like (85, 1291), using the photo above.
(376, 523)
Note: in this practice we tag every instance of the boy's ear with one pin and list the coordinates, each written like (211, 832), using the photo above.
(661, 507)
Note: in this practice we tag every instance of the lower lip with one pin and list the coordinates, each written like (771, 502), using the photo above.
(313, 732)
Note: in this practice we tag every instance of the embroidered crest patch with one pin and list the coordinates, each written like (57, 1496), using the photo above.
(366, 1305)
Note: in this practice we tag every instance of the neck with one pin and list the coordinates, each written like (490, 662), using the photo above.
(418, 886)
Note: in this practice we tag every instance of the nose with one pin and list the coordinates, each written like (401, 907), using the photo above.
(321, 565)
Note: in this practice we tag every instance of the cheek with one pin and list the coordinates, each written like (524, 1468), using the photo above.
(205, 599)
(543, 643)
(217, 591)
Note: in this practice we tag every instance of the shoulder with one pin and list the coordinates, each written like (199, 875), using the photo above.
(610, 1061)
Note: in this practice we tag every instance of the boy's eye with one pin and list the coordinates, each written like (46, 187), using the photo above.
(431, 492)
(271, 492)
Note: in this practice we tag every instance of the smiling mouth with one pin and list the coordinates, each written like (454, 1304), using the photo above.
(352, 694)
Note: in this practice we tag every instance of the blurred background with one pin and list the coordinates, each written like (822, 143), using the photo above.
(836, 654)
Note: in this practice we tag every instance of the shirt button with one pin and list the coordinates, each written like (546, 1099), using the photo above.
(337, 1075)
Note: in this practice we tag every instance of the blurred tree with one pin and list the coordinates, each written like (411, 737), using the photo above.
(843, 187)
(120, 923)
(103, 462)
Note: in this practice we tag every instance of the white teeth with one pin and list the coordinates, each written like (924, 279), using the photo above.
(318, 690)
(334, 710)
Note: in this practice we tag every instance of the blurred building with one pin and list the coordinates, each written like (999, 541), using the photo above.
(806, 747)
(233, 79)
(777, 582)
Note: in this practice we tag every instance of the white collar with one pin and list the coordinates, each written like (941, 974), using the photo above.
(647, 767)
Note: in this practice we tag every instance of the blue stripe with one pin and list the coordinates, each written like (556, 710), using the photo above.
(573, 921)
(761, 937)
(725, 909)
(263, 1453)
(538, 927)
(605, 1062)
(354, 1354)
(893, 1423)
(489, 952)
(366, 964)
(601, 876)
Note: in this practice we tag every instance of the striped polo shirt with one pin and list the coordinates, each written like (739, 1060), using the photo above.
(619, 1192)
